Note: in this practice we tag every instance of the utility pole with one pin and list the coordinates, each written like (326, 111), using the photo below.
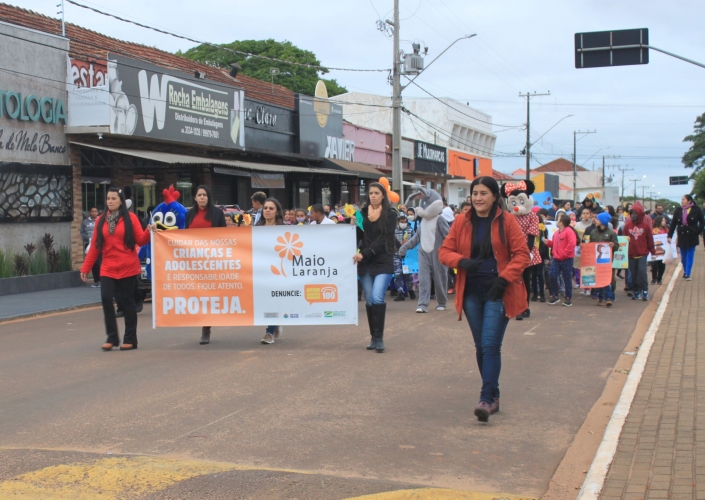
(575, 159)
(63, 24)
(528, 128)
(634, 181)
(397, 173)
(623, 170)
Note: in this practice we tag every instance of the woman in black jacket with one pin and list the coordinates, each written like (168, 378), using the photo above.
(375, 262)
(688, 221)
(203, 214)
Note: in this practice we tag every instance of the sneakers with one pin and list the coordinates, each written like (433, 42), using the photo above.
(599, 301)
(268, 338)
(421, 310)
(553, 300)
(400, 298)
(653, 282)
(440, 308)
(95, 285)
(659, 282)
(636, 296)
(645, 296)
(688, 278)
(451, 291)
(608, 303)
(542, 298)
(576, 286)
(568, 303)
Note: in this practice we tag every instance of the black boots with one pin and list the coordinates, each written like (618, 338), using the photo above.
(401, 297)
(375, 317)
(412, 294)
(205, 335)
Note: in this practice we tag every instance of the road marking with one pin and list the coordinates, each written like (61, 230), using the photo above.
(595, 478)
(439, 494)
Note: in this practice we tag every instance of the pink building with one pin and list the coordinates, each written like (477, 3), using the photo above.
(370, 145)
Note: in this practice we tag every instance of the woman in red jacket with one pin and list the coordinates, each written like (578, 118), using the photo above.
(116, 236)
(489, 250)
(204, 214)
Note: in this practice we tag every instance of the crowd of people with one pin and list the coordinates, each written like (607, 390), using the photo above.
(478, 252)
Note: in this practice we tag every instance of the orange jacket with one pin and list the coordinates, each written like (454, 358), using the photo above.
(512, 258)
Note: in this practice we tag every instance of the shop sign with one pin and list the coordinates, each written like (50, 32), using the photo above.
(321, 127)
(88, 74)
(429, 158)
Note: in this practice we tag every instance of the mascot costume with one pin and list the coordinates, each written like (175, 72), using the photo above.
(431, 232)
(166, 216)
(520, 203)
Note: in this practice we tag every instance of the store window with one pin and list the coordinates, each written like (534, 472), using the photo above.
(94, 193)
(144, 196)
(344, 193)
(185, 187)
(303, 195)
(326, 195)
(363, 192)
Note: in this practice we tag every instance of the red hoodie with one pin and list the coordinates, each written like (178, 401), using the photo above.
(563, 244)
(641, 238)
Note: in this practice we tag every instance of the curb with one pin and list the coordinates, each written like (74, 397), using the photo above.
(39, 314)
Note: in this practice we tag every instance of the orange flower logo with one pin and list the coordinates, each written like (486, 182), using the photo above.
(288, 247)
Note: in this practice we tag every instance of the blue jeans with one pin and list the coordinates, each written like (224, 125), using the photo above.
(488, 322)
(270, 329)
(375, 287)
(605, 293)
(687, 258)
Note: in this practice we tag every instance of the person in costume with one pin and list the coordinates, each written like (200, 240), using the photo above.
(520, 203)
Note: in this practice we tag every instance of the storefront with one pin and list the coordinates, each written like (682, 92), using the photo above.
(36, 181)
(467, 167)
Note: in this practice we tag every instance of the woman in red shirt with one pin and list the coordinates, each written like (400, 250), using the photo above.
(204, 214)
(117, 234)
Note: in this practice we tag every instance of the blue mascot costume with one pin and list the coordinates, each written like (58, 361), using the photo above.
(168, 215)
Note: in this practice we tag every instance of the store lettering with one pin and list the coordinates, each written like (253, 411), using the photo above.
(261, 116)
(21, 141)
(426, 153)
(340, 149)
(31, 108)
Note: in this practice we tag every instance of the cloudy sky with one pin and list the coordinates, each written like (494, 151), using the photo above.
(640, 113)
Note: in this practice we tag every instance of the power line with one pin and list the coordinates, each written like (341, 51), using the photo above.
(239, 52)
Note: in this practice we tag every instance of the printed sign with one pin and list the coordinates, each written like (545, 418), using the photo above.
(595, 265)
(241, 276)
(149, 101)
(429, 157)
(621, 256)
(410, 262)
(543, 199)
(660, 246)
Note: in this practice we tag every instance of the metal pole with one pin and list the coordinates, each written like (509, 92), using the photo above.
(575, 169)
(528, 138)
(603, 174)
(63, 23)
(397, 173)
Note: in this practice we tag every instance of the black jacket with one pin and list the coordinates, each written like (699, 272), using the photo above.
(377, 249)
(217, 216)
(688, 235)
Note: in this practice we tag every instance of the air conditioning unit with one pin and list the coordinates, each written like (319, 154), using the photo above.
(413, 64)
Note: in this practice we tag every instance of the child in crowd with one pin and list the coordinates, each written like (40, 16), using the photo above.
(538, 285)
(301, 217)
(641, 243)
(563, 251)
(580, 227)
(402, 281)
(603, 233)
(658, 267)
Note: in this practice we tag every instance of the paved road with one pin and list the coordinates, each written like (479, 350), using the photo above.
(314, 415)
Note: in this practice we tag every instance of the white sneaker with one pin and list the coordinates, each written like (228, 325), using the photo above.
(420, 310)
(440, 308)
(268, 338)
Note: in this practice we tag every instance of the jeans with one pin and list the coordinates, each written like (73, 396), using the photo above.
(401, 281)
(537, 279)
(123, 287)
(637, 270)
(96, 269)
(687, 257)
(270, 329)
(488, 322)
(564, 269)
(605, 293)
(375, 287)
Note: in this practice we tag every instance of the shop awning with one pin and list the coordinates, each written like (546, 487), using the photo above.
(362, 170)
(175, 159)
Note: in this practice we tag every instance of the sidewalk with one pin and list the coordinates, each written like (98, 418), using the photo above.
(661, 451)
(30, 304)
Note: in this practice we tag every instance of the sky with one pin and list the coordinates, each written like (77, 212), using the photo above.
(640, 113)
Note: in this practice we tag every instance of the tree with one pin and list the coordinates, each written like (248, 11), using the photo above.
(695, 156)
(699, 187)
(299, 79)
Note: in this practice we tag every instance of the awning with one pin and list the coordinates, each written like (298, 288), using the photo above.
(459, 181)
(172, 158)
(362, 170)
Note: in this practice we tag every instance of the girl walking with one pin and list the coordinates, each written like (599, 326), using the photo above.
(490, 252)
(117, 234)
(562, 251)
(658, 267)
(272, 215)
(204, 214)
(375, 261)
(688, 221)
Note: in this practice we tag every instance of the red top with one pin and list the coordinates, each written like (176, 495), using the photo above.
(118, 261)
(199, 220)
(563, 244)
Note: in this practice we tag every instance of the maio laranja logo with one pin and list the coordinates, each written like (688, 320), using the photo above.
(288, 247)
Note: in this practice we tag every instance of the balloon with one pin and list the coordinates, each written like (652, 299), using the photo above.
(393, 197)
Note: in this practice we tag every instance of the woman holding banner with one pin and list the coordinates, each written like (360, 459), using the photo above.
(272, 215)
(688, 221)
(490, 252)
(203, 214)
(375, 261)
(117, 241)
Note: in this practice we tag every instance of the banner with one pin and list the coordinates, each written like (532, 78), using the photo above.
(621, 256)
(410, 262)
(595, 265)
(660, 247)
(543, 199)
(243, 276)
